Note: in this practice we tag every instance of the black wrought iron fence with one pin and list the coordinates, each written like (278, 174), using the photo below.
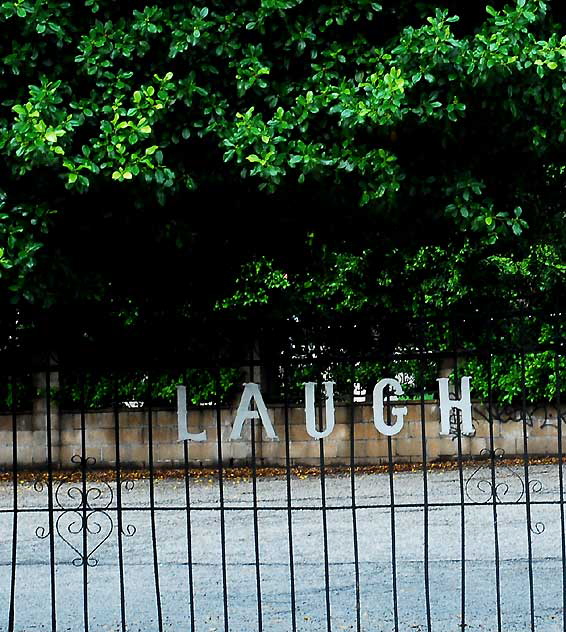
(368, 519)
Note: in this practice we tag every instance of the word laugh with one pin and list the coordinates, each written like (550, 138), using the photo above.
(252, 406)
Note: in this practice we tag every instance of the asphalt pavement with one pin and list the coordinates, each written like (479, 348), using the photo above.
(528, 591)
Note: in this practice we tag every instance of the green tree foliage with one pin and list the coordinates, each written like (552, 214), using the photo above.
(280, 156)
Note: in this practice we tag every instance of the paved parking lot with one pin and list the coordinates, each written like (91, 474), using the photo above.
(374, 544)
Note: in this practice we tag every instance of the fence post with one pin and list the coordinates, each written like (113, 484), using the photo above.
(48, 373)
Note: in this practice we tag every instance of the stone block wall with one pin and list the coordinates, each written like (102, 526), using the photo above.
(370, 447)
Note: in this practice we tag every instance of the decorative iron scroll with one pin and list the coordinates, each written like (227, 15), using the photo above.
(85, 511)
(481, 488)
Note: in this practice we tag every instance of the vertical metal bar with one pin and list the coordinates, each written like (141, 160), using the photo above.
(391, 469)
(255, 514)
(289, 500)
(527, 489)
(221, 499)
(426, 534)
(463, 624)
(119, 504)
(493, 491)
(189, 534)
(84, 499)
(561, 486)
(256, 529)
(324, 526)
(12, 613)
(149, 396)
(50, 495)
(354, 516)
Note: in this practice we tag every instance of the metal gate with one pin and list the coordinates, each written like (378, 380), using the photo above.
(103, 529)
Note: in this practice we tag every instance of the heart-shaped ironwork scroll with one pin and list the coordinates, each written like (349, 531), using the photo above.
(482, 486)
(85, 519)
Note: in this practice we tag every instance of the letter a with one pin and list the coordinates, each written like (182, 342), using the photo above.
(446, 405)
(182, 421)
(252, 392)
(309, 410)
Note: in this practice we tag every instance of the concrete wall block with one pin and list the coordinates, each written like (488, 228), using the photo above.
(31, 438)
(161, 434)
(441, 447)
(24, 422)
(432, 412)
(341, 432)
(242, 450)
(280, 431)
(210, 425)
(107, 419)
(131, 454)
(202, 421)
(477, 445)
(100, 437)
(414, 429)
(5, 456)
(25, 456)
(297, 433)
(273, 450)
(542, 446)
(548, 430)
(482, 428)
(304, 449)
(127, 419)
(6, 438)
(372, 448)
(201, 452)
(343, 450)
(364, 431)
(513, 429)
(69, 421)
(167, 453)
(407, 447)
(5, 423)
(39, 455)
(413, 411)
(208, 416)
(66, 453)
(277, 415)
(68, 437)
(510, 445)
(165, 418)
(343, 413)
(108, 456)
(330, 450)
(297, 416)
(433, 449)
(379, 448)
(132, 436)
(432, 427)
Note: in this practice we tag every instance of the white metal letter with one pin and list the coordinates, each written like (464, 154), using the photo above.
(399, 413)
(182, 421)
(446, 405)
(252, 392)
(310, 413)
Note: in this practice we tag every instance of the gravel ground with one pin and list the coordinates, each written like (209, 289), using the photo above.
(374, 527)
